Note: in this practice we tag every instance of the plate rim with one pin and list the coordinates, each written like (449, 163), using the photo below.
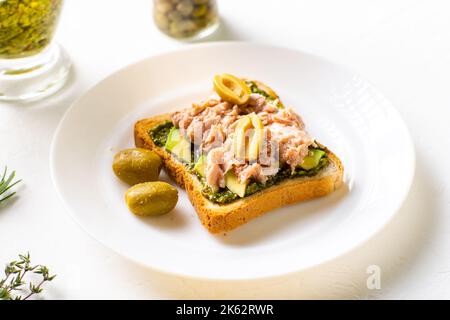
(226, 277)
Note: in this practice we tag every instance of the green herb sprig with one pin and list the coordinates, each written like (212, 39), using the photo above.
(6, 183)
(14, 285)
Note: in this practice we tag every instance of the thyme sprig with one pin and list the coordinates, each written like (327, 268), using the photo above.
(6, 183)
(14, 285)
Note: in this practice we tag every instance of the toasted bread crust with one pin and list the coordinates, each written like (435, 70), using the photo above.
(220, 218)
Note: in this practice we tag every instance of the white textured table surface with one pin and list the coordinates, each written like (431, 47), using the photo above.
(402, 46)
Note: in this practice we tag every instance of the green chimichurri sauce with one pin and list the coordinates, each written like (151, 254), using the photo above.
(224, 195)
(160, 133)
(26, 26)
(254, 89)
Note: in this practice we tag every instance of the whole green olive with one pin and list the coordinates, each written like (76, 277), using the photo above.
(137, 165)
(151, 198)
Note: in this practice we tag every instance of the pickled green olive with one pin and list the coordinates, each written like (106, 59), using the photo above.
(231, 88)
(151, 198)
(137, 165)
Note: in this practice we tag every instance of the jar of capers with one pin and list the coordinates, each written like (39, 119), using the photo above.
(186, 19)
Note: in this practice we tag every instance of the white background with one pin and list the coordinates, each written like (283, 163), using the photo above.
(402, 46)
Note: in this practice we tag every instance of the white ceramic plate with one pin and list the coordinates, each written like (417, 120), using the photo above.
(340, 109)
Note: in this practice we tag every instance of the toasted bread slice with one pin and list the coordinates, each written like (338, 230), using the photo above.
(220, 218)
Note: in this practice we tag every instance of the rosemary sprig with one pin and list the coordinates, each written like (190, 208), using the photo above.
(6, 184)
(14, 281)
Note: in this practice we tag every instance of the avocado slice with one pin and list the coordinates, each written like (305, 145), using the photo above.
(312, 160)
(173, 138)
(200, 165)
(232, 183)
(179, 145)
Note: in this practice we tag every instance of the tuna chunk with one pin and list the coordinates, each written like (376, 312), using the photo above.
(214, 173)
(211, 124)
(289, 117)
(201, 118)
(214, 138)
(293, 143)
(248, 171)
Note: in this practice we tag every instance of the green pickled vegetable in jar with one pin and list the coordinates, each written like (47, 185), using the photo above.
(27, 26)
(186, 19)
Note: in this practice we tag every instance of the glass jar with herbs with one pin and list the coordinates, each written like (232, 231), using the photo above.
(186, 19)
(30, 65)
